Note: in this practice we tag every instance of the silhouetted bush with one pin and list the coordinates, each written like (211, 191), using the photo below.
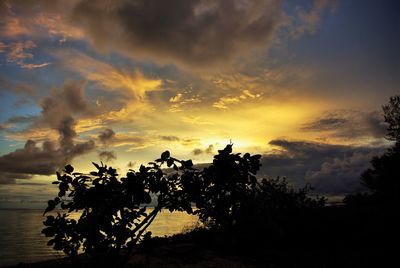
(276, 212)
(225, 187)
(391, 113)
(114, 214)
(382, 179)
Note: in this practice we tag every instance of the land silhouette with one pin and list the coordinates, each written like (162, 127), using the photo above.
(246, 221)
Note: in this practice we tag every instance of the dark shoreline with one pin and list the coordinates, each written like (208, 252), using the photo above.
(334, 236)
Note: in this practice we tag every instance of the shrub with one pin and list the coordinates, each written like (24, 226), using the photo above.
(115, 214)
(114, 211)
(225, 186)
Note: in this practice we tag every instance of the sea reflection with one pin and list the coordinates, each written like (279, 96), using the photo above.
(21, 240)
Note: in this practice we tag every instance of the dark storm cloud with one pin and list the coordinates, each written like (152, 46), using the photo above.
(35, 160)
(376, 124)
(350, 124)
(331, 123)
(169, 138)
(193, 33)
(208, 150)
(58, 110)
(190, 33)
(106, 135)
(197, 151)
(9, 178)
(107, 156)
(20, 119)
(330, 169)
(16, 87)
(17, 121)
(64, 103)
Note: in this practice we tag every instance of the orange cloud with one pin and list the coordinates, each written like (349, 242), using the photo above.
(133, 85)
(27, 18)
(19, 53)
(225, 102)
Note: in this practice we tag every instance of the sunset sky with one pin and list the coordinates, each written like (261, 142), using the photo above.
(300, 82)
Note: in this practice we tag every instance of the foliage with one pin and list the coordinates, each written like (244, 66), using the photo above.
(226, 185)
(275, 206)
(383, 178)
(114, 212)
(392, 117)
(276, 194)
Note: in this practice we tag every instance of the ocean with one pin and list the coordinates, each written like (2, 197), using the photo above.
(21, 239)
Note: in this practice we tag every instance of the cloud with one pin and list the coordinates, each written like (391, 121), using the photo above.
(189, 33)
(23, 18)
(349, 124)
(224, 102)
(106, 135)
(35, 160)
(129, 89)
(10, 24)
(330, 169)
(179, 101)
(193, 34)
(309, 20)
(134, 84)
(329, 123)
(58, 112)
(61, 106)
(16, 121)
(169, 138)
(190, 142)
(34, 132)
(340, 174)
(19, 53)
(376, 124)
(10, 178)
(21, 119)
(16, 87)
(107, 156)
(132, 140)
(2, 47)
(208, 150)
(34, 66)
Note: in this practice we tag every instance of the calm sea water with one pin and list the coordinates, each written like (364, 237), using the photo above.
(21, 240)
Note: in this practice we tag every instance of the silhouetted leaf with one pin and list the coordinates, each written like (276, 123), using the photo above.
(96, 165)
(68, 169)
(170, 162)
(165, 155)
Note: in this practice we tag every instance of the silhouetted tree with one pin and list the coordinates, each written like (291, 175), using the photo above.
(114, 214)
(225, 186)
(383, 178)
(392, 117)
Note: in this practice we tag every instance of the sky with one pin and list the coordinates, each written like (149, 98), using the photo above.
(300, 82)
